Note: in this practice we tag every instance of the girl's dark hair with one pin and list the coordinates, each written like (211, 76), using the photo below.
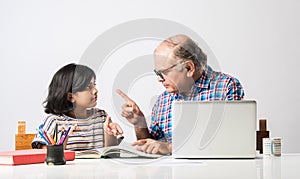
(71, 78)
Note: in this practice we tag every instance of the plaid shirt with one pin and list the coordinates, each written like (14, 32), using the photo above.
(210, 86)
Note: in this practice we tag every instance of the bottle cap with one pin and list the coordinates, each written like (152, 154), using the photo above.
(263, 125)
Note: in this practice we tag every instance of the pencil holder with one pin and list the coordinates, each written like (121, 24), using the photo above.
(55, 155)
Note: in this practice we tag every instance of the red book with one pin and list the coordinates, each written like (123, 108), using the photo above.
(31, 156)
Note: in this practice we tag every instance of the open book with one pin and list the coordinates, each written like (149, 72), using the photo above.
(124, 149)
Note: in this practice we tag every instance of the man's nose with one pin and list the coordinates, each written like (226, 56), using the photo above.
(159, 79)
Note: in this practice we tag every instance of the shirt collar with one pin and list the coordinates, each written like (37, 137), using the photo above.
(202, 83)
(204, 80)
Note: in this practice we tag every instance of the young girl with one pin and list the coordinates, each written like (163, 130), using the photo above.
(72, 96)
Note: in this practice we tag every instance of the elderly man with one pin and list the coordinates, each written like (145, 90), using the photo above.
(182, 69)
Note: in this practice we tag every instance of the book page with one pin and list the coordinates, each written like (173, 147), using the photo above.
(88, 154)
(127, 150)
(124, 149)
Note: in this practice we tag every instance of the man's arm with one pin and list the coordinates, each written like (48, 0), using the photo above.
(135, 116)
(235, 90)
(142, 133)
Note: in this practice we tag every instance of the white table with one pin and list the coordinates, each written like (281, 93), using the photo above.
(286, 166)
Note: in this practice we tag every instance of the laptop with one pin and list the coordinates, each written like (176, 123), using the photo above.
(214, 129)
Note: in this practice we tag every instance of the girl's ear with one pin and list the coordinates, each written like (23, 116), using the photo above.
(70, 97)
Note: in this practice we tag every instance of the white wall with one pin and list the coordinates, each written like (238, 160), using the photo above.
(256, 41)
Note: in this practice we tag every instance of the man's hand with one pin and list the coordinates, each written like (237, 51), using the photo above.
(132, 112)
(152, 146)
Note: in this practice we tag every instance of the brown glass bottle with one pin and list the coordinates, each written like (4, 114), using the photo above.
(261, 133)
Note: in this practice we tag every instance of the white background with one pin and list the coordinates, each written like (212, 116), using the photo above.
(257, 41)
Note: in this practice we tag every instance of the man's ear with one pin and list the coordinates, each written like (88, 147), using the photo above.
(190, 68)
(70, 97)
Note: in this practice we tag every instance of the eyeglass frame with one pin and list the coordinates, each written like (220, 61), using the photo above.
(161, 72)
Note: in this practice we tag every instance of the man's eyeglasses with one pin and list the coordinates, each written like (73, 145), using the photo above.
(160, 73)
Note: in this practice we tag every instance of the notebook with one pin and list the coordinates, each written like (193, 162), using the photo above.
(30, 156)
(214, 129)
